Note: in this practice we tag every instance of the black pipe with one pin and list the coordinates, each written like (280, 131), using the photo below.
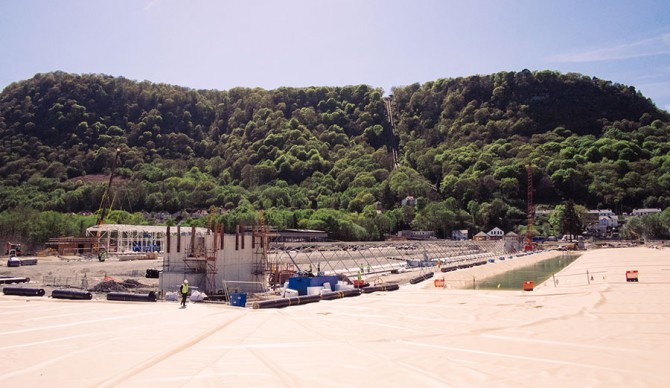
(421, 278)
(341, 294)
(285, 302)
(130, 297)
(272, 303)
(23, 291)
(384, 287)
(71, 294)
(28, 261)
(14, 280)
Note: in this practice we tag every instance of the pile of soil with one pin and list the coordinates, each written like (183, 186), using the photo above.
(113, 286)
(131, 283)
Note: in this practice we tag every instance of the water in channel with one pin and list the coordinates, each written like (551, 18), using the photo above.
(538, 273)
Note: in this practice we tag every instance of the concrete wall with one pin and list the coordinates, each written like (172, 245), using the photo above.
(235, 266)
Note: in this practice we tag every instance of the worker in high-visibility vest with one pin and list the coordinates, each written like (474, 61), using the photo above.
(184, 292)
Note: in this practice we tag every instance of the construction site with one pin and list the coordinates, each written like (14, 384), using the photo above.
(255, 260)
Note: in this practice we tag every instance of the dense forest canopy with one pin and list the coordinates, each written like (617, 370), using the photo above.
(329, 157)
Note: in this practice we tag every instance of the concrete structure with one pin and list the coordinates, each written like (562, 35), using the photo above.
(215, 262)
(513, 242)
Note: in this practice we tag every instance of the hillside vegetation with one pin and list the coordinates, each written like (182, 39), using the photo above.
(323, 157)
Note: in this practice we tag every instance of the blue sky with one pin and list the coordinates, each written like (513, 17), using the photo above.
(260, 43)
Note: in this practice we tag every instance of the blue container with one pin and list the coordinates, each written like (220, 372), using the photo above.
(300, 284)
(238, 299)
(319, 281)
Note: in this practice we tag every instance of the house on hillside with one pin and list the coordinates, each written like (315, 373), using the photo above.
(644, 212)
(496, 234)
(409, 201)
(417, 234)
(460, 235)
(481, 236)
(601, 222)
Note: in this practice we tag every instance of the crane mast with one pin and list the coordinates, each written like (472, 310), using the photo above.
(531, 211)
(106, 199)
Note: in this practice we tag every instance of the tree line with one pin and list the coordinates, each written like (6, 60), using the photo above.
(322, 157)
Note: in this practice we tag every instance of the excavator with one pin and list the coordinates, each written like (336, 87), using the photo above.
(105, 206)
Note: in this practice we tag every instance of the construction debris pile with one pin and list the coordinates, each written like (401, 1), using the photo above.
(110, 285)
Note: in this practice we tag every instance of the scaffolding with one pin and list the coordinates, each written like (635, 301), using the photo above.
(262, 237)
(211, 255)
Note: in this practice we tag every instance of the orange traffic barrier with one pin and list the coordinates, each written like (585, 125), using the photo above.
(528, 286)
(439, 283)
(360, 283)
(631, 276)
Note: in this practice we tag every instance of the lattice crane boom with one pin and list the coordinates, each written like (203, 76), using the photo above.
(531, 211)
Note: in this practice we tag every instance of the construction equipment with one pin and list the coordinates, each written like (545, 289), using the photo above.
(106, 202)
(12, 249)
(105, 206)
(530, 213)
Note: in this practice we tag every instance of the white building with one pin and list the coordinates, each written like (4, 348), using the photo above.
(644, 212)
(495, 234)
(459, 234)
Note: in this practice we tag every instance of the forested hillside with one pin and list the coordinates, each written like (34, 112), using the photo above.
(323, 157)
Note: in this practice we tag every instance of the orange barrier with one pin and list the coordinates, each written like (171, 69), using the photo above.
(360, 283)
(439, 283)
(631, 276)
(528, 286)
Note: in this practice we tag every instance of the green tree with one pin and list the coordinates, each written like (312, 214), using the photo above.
(570, 221)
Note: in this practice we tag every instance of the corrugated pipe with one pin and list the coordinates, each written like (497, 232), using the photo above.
(23, 291)
(341, 294)
(285, 302)
(421, 278)
(14, 280)
(386, 287)
(130, 297)
(71, 294)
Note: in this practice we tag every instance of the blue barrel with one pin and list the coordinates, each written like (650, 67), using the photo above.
(238, 299)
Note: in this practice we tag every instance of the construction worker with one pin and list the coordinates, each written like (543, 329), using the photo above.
(183, 289)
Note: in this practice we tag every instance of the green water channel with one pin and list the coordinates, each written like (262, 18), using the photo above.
(538, 273)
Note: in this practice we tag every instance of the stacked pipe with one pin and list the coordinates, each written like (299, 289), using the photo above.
(421, 278)
(341, 294)
(453, 267)
(285, 302)
(21, 291)
(385, 287)
(130, 297)
(71, 294)
(296, 300)
(14, 280)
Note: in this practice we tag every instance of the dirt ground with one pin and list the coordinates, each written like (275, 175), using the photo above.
(77, 273)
